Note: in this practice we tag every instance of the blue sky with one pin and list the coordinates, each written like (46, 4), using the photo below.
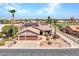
(40, 10)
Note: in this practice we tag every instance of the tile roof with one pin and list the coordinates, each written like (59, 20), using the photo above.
(74, 27)
(31, 24)
(44, 28)
(28, 33)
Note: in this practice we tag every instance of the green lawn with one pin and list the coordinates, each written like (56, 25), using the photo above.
(68, 23)
(8, 39)
(2, 42)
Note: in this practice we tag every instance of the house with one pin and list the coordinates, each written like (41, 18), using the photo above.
(62, 20)
(72, 30)
(72, 19)
(32, 31)
(17, 22)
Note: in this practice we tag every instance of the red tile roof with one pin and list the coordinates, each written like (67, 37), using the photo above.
(74, 27)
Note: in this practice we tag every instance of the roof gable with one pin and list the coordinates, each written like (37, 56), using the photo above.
(27, 33)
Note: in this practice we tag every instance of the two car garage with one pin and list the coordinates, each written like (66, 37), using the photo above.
(28, 37)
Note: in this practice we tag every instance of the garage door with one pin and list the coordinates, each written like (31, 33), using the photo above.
(31, 37)
(22, 37)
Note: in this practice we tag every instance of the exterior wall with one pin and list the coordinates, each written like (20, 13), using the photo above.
(21, 37)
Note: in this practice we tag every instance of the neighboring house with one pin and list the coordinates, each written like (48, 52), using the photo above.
(72, 30)
(72, 19)
(31, 24)
(77, 20)
(17, 22)
(62, 20)
(43, 23)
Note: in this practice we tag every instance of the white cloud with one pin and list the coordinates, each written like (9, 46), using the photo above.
(40, 11)
(51, 8)
(21, 11)
(9, 7)
(15, 5)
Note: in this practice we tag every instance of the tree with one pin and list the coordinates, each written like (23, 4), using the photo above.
(5, 29)
(15, 29)
(55, 24)
(49, 17)
(12, 12)
(60, 27)
(8, 30)
(49, 20)
(72, 19)
(1, 34)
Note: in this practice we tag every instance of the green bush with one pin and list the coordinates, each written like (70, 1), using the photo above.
(47, 38)
(60, 27)
(49, 42)
(1, 34)
(8, 39)
(10, 30)
(46, 34)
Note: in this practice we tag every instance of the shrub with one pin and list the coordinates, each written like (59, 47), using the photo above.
(8, 39)
(60, 27)
(2, 42)
(46, 34)
(49, 42)
(1, 34)
(56, 36)
(47, 38)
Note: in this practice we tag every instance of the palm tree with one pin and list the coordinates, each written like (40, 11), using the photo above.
(55, 24)
(13, 11)
(49, 20)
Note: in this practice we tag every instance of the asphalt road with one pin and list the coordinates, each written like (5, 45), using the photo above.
(39, 52)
